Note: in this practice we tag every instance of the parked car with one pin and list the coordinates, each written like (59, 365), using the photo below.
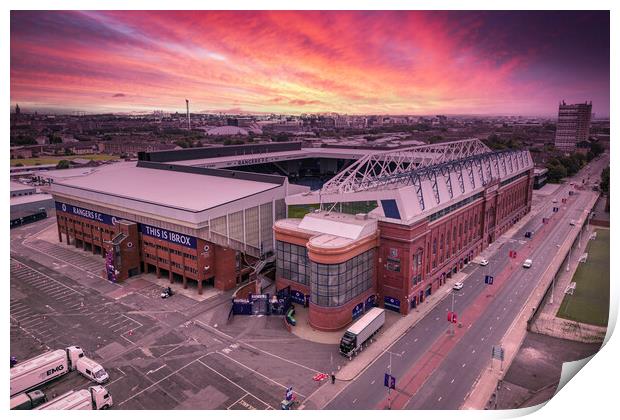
(484, 262)
(457, 286)
(572, 223)
(527, 263)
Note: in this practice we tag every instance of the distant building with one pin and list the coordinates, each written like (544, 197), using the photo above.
(573, 125)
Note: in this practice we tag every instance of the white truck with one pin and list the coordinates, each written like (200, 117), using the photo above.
(43, 368)
(94, 398)
(28, 400)
(355, 337)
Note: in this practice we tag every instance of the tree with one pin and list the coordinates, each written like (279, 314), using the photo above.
(605, 181)
(556, 173)
(63, 164)
(54, 139)
(596, 149)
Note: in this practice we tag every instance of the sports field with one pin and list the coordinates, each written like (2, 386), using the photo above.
(590, 301)
(47, 160)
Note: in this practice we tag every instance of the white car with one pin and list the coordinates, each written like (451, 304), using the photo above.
(458, 286)
(483, 262)
(527, 263)
(572, 223)
(555, 200)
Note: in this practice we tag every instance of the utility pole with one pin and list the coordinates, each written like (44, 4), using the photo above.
(390, 373)
(452, 310)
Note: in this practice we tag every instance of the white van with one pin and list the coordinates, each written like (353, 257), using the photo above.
(527, 263)
(92, 370)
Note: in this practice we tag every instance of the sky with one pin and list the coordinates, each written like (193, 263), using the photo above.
(294, 62)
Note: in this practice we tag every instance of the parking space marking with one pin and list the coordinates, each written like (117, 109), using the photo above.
(22, 266)
(256, 372)
(232, 382)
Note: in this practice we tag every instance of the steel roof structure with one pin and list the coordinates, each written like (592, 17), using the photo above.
(375, 168)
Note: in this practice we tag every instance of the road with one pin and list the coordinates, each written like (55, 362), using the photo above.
(436, 371)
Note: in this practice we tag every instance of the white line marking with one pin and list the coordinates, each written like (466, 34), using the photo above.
(159, 368)
(45, 275)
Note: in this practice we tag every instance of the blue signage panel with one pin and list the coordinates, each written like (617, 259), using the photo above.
(370, 302)
(358, 310)
(85, 213)
(391, 303)
(298, 297)
(168, 235)
(488, 279)
(389, 381)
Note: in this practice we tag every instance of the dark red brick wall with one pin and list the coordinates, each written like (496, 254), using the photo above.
(332, 319)
(225, 268)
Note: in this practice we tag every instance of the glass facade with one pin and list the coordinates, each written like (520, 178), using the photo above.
(336, 284)
(292, 262)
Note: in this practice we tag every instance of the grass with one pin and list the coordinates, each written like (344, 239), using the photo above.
(298, 211)
(47, 160)
(590, 302)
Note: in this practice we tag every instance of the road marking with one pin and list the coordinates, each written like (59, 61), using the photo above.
(159, 368)
(45, 275)
(415, 340)
(439, 399)
(354, 401)
(373, 382)
(232, 382)
(463, 365)
(452, 381)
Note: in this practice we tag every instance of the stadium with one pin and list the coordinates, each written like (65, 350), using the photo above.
(348, 228)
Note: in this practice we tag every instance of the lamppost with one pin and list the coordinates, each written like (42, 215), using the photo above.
(452, 311)
(390, 374)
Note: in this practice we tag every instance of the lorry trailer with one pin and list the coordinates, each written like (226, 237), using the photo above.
(94, 398)
(28, 400)
(43, 368)
(358, 333)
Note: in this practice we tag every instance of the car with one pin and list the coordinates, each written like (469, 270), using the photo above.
(527, 263)
(555, 200)
(572, 223)
(484, 262)
(458, 286)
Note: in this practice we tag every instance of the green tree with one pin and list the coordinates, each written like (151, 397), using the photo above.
(605, 181)
(556, 173)
(596, 148)
(63, 164)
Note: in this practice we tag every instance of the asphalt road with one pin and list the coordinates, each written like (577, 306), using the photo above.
(454, 376)
(175, 353)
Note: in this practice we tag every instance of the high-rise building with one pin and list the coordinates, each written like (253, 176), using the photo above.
(573, 125)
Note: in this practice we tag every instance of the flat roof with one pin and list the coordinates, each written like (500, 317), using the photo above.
(16, 186)
(182, 190)
(33, 198)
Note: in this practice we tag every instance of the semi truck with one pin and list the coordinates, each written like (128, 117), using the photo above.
(43, 368)
(358, 333)
(94, 398)
(28, 400)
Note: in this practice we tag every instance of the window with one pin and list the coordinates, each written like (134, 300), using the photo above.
(292, 262)
(336, 284)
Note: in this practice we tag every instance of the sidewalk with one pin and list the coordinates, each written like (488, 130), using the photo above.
(486, 383)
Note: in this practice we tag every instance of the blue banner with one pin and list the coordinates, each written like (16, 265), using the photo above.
(358, 310)
(370, 302)
(85, 213)
(298, 297)
(391, 303)
(168, 235)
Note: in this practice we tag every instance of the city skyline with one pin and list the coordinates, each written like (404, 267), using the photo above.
(416, 63)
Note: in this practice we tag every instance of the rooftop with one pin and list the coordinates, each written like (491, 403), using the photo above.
(186, 191)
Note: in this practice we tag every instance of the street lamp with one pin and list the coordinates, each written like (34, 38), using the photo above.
(390, 373)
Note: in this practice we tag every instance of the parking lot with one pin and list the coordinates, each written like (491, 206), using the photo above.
(176, 353)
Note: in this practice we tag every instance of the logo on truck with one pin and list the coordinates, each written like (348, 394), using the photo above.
(58, 368)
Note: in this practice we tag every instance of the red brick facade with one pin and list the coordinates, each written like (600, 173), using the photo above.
(413, 261)
(208, 264)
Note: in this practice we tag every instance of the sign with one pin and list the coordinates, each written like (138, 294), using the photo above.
(370, 302)
(298, 297)
(391, 303)
(85, 213)
(168, 235)
(497, 352)
(358, 310)
(452, 317)
(488, 279)
(289, 393)
(393, 252)
(389, 381)
(252, 297)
